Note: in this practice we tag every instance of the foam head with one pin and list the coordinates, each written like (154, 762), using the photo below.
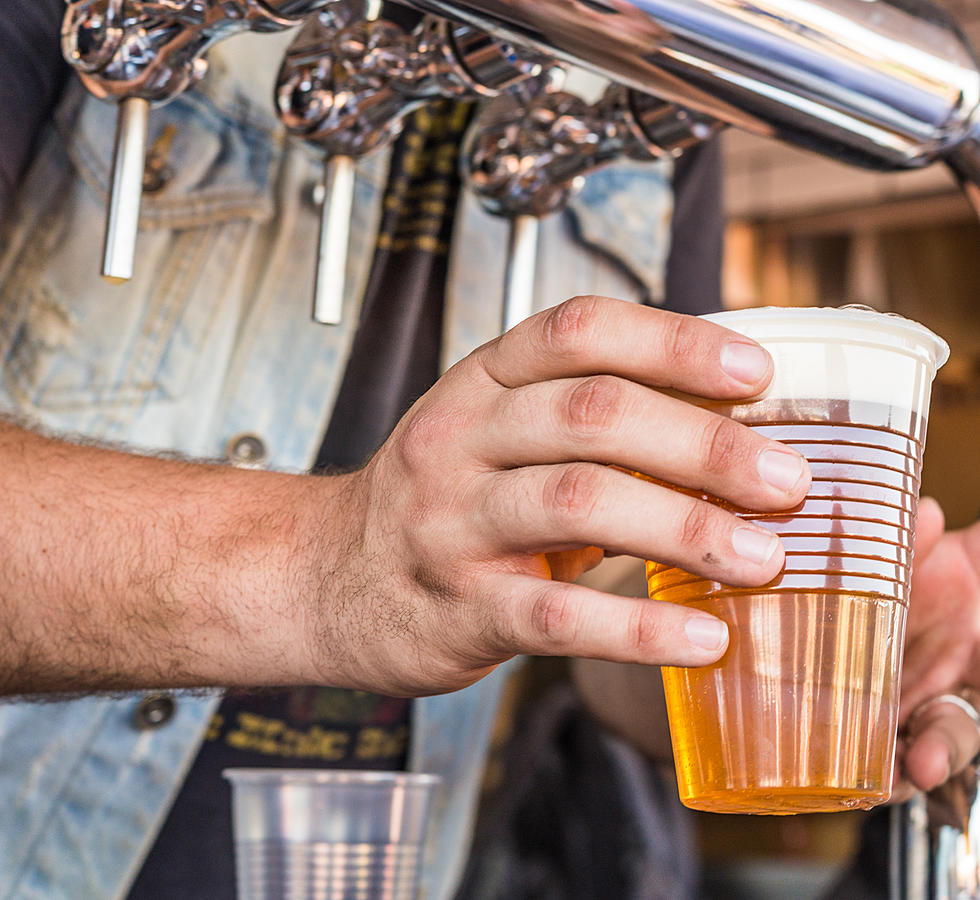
(851, 353)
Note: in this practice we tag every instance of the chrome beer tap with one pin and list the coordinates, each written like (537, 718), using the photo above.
(138, 53)
(889, 84)
(528, 152)
(346, 85)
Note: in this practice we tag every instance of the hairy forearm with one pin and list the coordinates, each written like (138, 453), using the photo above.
(120, 571)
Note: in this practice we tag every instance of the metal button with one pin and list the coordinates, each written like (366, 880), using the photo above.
(246, 450)
(154, 711)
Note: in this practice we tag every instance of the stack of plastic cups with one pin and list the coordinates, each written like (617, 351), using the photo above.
(800, 715)
(303, 834)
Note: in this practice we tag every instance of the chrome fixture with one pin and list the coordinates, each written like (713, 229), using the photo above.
(144, 52)
(887, 84)
(528, 151)
(346, 85)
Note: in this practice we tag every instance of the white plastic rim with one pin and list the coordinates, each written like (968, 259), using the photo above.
(850, 353)
(274, 776)
(853, 324)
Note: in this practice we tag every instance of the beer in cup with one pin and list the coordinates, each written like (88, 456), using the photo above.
(800, 715)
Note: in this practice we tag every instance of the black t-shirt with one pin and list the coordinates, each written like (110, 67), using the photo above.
(33, 73)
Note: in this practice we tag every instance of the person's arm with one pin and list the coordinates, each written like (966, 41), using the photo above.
(126, 571)
(435, 562)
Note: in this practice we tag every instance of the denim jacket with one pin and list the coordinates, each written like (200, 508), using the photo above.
(211, 342)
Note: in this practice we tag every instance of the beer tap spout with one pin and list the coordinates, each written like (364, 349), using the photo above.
(889, 85)
(139, 53)
(348, 82)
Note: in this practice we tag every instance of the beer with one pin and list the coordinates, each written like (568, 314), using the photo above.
(800, 715)
(788, 718)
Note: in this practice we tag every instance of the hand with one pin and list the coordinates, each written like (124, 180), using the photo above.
(942, 655)
(505, 481)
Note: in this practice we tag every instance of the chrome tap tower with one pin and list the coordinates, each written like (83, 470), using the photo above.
(137, 53)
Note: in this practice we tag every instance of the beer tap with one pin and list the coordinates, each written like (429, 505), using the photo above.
(140, 53)
(346, 85)
(527, 155)
(892, 84)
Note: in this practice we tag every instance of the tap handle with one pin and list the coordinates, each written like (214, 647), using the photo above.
(125, 189)
(521, 266)
(335, 219)
(346, 85)
(139, 52)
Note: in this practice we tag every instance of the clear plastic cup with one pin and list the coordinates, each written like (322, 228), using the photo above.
(800, 715)
(310, 834)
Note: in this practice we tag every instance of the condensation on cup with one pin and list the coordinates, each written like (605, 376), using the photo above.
(800, 715)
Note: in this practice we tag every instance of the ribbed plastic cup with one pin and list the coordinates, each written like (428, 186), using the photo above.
(306, 834)
(800, 715)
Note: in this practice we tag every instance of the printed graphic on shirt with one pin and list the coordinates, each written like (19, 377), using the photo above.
(325, 727)
(422, 193)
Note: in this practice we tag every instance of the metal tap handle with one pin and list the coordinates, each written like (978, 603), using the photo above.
(346, 85)
(521, 265)
(528, 151)
(139, 52)
(335, 219)
(125, 189)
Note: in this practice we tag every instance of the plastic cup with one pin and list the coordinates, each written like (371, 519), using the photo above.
(800, 715)
(307, 834)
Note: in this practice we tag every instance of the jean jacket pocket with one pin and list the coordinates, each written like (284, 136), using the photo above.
(69, 340)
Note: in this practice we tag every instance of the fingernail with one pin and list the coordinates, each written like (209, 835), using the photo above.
(780, 468)
(706, 632)
(754, 544)
(744, 362)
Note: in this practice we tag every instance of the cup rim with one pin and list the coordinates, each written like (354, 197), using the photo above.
(865, 325)
(275, 775)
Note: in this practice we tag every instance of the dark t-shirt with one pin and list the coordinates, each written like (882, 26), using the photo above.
(33, 73)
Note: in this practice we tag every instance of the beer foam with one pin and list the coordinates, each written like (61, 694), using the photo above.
(849, 353)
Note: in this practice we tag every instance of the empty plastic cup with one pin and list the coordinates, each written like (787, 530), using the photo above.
(800, 715)
(308, 834)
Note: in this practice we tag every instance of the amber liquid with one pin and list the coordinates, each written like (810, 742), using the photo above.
(800, 714)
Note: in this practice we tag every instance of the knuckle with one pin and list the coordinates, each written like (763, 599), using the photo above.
(718, 443)
(680, 341)
(594, 404)
(567, 327)
(421, 435)
(696, 527)
(552, 618)
(645, 630)
(572, 491)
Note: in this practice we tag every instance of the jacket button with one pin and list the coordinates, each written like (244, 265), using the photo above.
(154, 711)
(246, 450)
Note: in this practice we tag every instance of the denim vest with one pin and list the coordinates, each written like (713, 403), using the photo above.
(212, 341)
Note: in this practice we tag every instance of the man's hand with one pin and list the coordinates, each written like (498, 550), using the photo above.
(508, 475)
(942, 655)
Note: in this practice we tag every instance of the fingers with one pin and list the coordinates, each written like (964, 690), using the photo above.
(929, 525)
(593, 335)
(612, 420)
(584, 504)
(942, 740)
(555, 619)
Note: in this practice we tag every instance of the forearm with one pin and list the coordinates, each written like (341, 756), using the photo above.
(121, 571)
